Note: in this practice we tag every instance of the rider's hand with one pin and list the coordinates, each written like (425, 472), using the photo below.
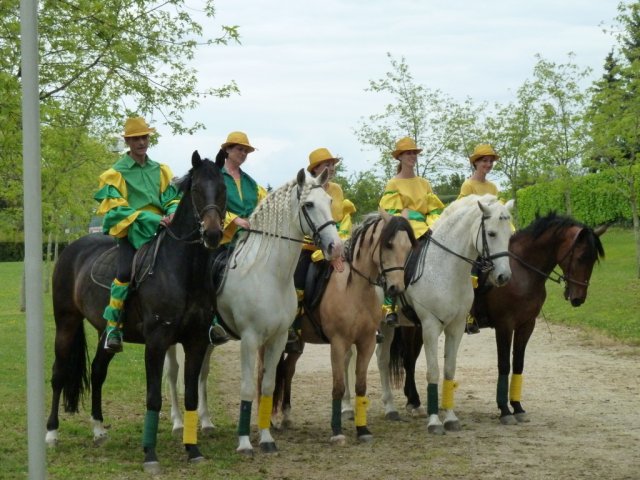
(338, 264)
(242, 223)
(166, 221)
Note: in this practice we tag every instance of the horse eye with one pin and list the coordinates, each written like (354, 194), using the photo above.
(492, 234)
(308, 204)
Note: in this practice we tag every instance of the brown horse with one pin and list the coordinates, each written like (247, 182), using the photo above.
(349, 313)
(512, 310)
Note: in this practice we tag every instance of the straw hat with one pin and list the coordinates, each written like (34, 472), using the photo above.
(318, 156)
(137, 127)
(482, 150)
(405, 144)
(237, 138)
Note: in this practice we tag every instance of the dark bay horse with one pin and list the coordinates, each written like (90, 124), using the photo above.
(535, 251)
(173, 304)
(349, 313)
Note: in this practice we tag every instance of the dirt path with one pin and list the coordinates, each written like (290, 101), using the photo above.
(582, 399)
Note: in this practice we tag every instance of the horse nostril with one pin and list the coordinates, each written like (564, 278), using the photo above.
(392, 291)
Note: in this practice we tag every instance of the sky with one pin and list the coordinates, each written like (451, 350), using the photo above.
(303, 67)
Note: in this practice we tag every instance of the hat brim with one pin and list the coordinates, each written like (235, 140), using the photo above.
(315, 164)
(228, 144)
(396, 153)
(150, 131)
(475, 157)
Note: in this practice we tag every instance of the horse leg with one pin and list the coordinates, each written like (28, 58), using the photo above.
(503, 344)
(172, 367)
(206, 425)
(410, 353)
(520, 339)
(99, 368)
(154, 353)
(349, 375)
(383, 356)
(453, 336)
(69, 373)
(365, 350)
(431, 330)
(272, 354)
(248, 353)
(195, 352)
(289, 370)
(338, 358)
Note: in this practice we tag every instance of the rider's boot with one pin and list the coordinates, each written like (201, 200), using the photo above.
(112, 314)
(294, 340)
(391, 312)
(217, 334)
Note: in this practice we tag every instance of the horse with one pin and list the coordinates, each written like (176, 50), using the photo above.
(257, 299)
(349, 313)
(173, 304)
(441, 294)
(535, 252)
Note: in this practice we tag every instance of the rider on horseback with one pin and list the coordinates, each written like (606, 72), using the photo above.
(412, 197)
(243, 196)
(341, 209)
(136, 196)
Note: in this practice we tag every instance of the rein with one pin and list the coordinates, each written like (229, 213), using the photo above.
(200, 223)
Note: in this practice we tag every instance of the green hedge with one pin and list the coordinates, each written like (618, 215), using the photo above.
(595, 199)
(14, 251)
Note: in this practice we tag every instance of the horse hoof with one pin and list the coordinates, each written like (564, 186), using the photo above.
(508, 420)
(177, 432)
(51, 439)
(522, 417)
(435, 429)
(196, 460)
(100, 440)
(338, 440)
(367, 438)
(286, 423)
(416, 412)
(452, 426)
(245, 452)
(347, 415)
(393, 416)
(208, 431)
(152, 468)
(268, 447)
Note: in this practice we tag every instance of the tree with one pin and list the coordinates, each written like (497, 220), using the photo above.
(100, 60)
(615, 115)
(437, 124)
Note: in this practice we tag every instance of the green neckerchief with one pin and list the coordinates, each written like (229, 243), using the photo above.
(245, 205)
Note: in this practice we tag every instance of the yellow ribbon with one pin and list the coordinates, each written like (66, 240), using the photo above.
(190, 432)
(448, 387)
(264, 412)
(515, 388)
(362, 403)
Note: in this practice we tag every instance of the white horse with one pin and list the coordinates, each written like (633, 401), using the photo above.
(441, 297)
(258, 298)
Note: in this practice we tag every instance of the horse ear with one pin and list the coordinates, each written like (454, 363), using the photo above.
(324, 177)
(510, 204)
(600, 230)
(386, 216)
(196, 161)
(484, 208)
(301, 178)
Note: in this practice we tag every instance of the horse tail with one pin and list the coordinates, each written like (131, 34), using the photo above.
(396, 359)
(76, 381)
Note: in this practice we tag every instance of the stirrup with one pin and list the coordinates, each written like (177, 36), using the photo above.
(471, 326)
(113, 340)
(391, 320)
(218, 335)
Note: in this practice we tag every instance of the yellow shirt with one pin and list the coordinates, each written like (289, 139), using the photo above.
(471, 186)
(416, 195)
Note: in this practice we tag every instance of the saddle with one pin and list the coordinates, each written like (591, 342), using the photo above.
(218, 267)
(316, 283)
(480, 309)
(104, 268)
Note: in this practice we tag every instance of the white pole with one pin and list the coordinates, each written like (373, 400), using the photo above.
(33, 237)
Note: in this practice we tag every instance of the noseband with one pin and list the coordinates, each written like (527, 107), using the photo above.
(199, 221)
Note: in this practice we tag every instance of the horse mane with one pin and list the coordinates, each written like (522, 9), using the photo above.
(269, 214)
(359, 234)
(462, 204)
(557, 224)
(183, 184)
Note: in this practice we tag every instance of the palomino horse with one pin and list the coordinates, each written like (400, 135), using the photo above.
(441, 297)
(512, 310)
(258, 299)
(349, 314)
(172, 305)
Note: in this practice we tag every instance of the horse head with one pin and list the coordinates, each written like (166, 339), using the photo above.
(396, 239)
(316, 220)
(208, 198)
(578, 253)
(492, 240)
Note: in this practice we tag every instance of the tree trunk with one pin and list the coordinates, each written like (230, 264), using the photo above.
(635, 216)
(47, 266)
(23, 293)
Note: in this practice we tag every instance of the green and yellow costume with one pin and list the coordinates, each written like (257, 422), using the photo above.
(475, 187)
(133, 199)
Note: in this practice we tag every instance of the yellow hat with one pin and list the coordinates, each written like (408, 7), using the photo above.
(482, 150)
(318, 156)
(237, 138)
(137, 127)
(405, 144)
